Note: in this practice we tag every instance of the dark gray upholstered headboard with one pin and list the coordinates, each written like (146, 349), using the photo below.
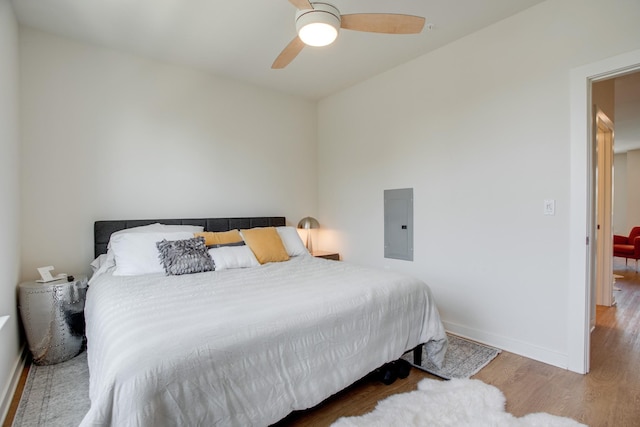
(102, 229)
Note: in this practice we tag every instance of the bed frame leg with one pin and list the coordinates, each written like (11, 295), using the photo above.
(417, 355)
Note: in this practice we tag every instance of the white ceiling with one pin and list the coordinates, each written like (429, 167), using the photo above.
(240, 39)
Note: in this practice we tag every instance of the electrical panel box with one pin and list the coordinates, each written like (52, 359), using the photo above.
(398, 224)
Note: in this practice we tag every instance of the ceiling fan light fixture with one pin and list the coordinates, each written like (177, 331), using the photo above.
(318, 34)
(318, 26)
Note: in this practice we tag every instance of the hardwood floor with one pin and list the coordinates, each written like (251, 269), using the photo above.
(16, 397)
(608, 396)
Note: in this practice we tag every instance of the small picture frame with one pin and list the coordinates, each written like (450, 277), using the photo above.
(45, 273)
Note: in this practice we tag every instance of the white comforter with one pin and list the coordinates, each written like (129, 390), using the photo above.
(246, 347)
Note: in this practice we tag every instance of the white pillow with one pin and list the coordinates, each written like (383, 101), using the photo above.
(292, 242)
(176, 228)
(158, 228)
(151, 228)
(136, 253)
(227, 257)
(101, 265)
(97, 263)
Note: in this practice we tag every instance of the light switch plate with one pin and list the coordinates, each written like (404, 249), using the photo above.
(549, 207)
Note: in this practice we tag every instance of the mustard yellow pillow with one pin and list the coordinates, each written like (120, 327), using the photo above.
(220, 238)
(266, 245)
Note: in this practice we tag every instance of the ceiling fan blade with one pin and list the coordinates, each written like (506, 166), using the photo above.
(288, 54)
(388, 23)
(301, 4)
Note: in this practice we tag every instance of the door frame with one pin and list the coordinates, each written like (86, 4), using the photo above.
(581, 218)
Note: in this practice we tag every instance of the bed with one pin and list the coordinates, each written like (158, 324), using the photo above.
(242, 346)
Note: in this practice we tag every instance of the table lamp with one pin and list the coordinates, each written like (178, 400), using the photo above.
(309, 223)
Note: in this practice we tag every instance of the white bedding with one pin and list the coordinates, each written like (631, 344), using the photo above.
(248, 346)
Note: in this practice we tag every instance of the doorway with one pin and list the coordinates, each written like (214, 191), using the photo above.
(582, 223)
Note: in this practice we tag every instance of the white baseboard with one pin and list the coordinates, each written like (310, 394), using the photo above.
(10, 389)
(544, 355)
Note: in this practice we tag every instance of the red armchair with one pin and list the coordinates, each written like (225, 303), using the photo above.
(627, 247)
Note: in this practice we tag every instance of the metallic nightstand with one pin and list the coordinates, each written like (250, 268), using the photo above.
(53, 317)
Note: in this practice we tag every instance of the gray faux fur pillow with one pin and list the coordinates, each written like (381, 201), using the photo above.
(185, 256)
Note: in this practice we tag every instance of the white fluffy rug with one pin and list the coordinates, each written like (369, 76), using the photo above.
(458, 402)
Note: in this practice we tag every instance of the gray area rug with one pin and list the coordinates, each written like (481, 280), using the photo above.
(463, 359)
(58, 395)
(55, 395)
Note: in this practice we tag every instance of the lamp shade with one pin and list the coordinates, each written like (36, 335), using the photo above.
(318, 26)
(308, 222)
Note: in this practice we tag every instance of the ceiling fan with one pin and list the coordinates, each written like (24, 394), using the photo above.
(318, 23)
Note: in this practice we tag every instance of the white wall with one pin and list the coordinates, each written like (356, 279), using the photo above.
(480, 130)
(9, 203)
(620, 189)
(633, 195)
(626, 210)
(108, 135)
(627, 112)
(626, 198)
